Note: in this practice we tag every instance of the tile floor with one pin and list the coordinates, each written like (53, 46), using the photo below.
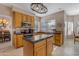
(7, 50)
(68, 49)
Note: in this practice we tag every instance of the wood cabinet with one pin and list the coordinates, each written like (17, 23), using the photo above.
(49, 46)
(29, 19)
(24, 19)
(40, 51)
(32, 21)
(18, 41)
(40, 48)
(58, 38)
(28, 48)
(17, 19)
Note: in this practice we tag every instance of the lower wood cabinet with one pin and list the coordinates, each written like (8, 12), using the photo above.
(40, 48)
(40, 51)
(18, 41)
(28, 49)
(49, 46)
(58, 38)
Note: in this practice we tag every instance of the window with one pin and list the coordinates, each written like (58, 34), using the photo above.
(51, 25)
(37, 25)
(44, 25)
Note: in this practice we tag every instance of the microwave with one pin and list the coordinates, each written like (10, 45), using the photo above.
(26, 25)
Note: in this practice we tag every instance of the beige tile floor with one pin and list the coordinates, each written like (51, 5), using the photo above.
(68, 49)
(7, 50)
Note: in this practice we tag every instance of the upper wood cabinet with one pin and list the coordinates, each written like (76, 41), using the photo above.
(17, 19)
(32, 21)
(29, 19)
(24, 18)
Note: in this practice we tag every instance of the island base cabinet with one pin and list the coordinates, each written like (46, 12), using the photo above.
(40, 48)
(49, 46)
(37, 49)
(41, 51)
(28, 48)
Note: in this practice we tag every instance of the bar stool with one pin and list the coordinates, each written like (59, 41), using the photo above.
(1, 37)
(76, 38)
(7, 36)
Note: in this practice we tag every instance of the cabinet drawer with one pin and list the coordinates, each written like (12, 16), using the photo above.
(58, 35)
(57, 38)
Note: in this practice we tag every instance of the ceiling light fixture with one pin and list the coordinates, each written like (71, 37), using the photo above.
(39, 8)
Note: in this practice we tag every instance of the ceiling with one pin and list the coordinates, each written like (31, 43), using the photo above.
(69, 8)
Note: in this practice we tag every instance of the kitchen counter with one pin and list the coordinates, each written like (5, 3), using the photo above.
(38, 45)
(37, 38)
(48, 32)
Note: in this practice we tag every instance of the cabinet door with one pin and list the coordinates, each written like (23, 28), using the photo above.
(17, 19)
(24, 18)
(29, 19)
(20, 40)
(32, 21)
(49, 46)
(58, 39)
(40, 51)
(28, 48)
(40, 48)
(14, 41)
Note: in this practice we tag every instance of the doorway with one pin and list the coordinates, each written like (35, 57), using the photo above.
(69, 29)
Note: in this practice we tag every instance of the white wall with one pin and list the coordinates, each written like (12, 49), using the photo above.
(6, 12)
(59, 16)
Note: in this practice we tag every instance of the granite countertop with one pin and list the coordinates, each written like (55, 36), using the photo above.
(37, 38)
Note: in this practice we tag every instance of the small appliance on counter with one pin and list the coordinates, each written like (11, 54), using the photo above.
(27, 31)
(17, 31)
(5, 36)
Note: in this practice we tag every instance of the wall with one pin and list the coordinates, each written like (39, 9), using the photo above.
(76, 27)
(22, 11)
(74, 19)
(59, 16)
(6, 12)
(37, 24)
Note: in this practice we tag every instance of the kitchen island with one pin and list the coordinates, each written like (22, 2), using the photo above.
(38, 45)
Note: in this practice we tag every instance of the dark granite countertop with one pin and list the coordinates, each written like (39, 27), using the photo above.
(37, 38)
